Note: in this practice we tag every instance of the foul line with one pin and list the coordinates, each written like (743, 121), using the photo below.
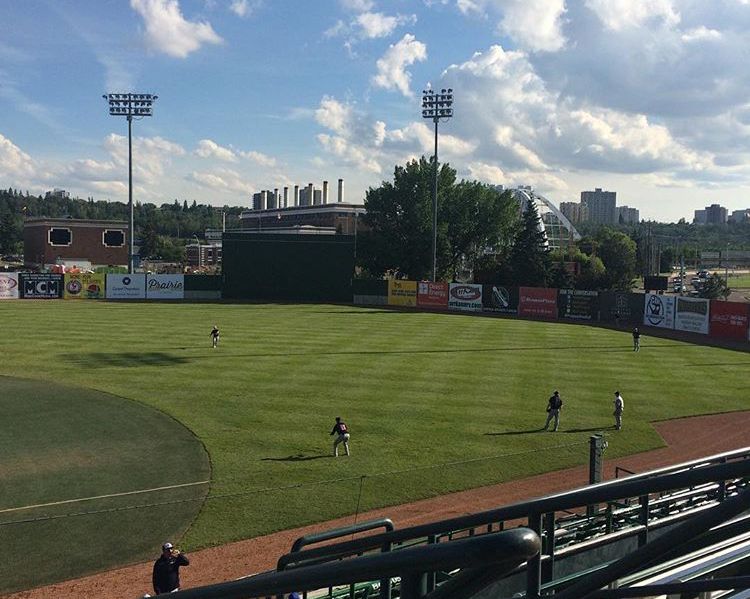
(82, 499)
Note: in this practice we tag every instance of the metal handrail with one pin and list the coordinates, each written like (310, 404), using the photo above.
(682, 475)
(504, 551)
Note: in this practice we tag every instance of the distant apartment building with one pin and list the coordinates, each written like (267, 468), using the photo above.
(576, 213)
(600, 206)
(711, 215)
(740, 216)
(627, 215)
(57, 194)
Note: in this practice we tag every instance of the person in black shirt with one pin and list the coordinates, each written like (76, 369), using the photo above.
(166, 577)
(342, 431)
(554, 405)
(214, 336)
(636, 339)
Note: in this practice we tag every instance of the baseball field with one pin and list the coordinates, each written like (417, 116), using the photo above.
(124, 428)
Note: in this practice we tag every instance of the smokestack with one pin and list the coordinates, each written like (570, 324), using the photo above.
(276, 198)
(325, 192)
(223, 221)
(263, 199)
(310, 194)
(341, 190)
(296, 195)
(286, 196)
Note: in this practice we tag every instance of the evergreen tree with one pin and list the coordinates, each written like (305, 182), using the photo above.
(530, 257)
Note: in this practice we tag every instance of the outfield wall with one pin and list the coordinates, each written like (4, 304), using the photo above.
(97, 286)
(713, 318)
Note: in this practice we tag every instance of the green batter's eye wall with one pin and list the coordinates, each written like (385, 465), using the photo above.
(302, 267)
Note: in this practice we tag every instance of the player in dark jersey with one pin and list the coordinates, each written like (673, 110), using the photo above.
(214, 334)
(342, 436)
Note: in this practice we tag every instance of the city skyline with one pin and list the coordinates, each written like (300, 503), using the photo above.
(642, 97)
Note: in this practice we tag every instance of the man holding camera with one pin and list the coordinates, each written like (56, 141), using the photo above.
(166, 576)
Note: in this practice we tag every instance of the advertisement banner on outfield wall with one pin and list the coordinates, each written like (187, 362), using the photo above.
(729, 319)
(41, 285)
(160, 287)
(578, 304)
(8, 285)
(83, 285)
(126, 286)
(465, 296)
(432, 295)
(402, 293)
(497, 298)
(537, 302)
(691, 314)
(658, 310)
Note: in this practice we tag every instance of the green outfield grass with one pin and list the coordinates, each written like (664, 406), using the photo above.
(435, 402)
(739, 281)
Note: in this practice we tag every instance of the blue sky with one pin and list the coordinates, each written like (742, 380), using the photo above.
(649, 98)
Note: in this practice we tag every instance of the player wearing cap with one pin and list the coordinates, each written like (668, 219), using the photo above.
(214, 336)
(554, 405)
(166, 576)
(342, 431)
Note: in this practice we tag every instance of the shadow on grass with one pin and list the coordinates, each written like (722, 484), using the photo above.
(588, 430)
(298, 458)
(124, 359)
(526, 432)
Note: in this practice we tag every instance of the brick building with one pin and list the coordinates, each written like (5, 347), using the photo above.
(82, 243)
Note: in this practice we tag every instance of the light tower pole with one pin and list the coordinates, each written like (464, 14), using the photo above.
(129, 106)
(436, 106)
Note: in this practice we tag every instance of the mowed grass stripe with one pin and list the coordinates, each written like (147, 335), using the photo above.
(417, 389)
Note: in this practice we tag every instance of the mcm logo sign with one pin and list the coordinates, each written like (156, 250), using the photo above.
(41, 288)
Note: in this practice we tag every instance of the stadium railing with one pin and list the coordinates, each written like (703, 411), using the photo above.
(718, 479)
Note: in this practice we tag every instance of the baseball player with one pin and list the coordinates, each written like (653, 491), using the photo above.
(214, 337)
(342, 436)
(619, 407)
(554, 405)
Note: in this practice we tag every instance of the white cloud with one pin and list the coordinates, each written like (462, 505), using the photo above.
(619, 14)
(376, 24)
(534, 24)
(15, 164)
(350, 153)
(699, 34)
(392, 73)
(169, 32)
(222, 180)
(334, 115)
(260, 158)
(357, 5)
(244, 8)
(424, 137)
(469, 6)
(210, 149)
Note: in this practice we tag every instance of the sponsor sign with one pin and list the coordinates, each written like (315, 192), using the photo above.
(729, 319)
(41, 286)
(83, 285)
(8, 285)
(402, 293)
(691, 314)
(165, 287)
(126, 286)
(578, 304)
(496, 298)
(537, 302)
(465, 296)
(658, 311)
(432, 295)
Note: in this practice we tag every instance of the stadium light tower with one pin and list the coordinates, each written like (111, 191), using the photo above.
(436, 106)
(129, 106)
